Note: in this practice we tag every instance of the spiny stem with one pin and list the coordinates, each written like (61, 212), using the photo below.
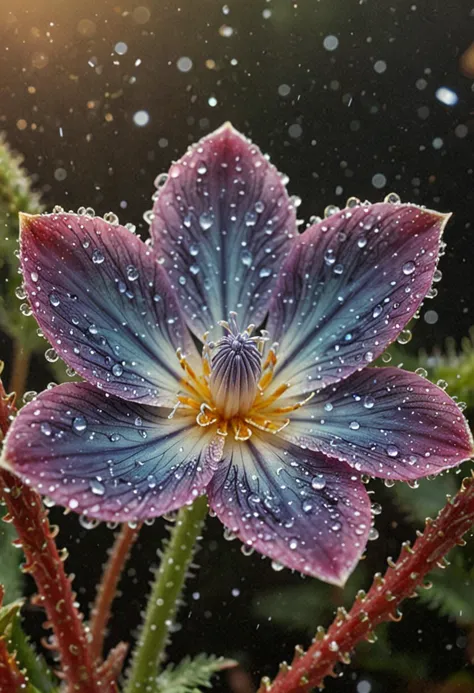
(107, 588)
(20, 368)
(44, 563)
(163, 601)
(309, 669)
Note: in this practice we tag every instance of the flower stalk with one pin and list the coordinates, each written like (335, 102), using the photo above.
(164, 601)
(309, 669)
(107, 589)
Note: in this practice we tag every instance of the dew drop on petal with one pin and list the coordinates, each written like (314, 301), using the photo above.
(79, 424)
(318, 482)
(408, 268)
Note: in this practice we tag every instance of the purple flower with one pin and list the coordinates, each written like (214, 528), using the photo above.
(275, 426)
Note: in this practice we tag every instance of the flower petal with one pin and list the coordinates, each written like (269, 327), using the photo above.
(296, 506)
(385, 422)
(105, 305)
(222, 223)
(348, 288)
(108, 458)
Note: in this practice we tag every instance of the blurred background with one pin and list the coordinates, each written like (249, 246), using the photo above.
(349, 97)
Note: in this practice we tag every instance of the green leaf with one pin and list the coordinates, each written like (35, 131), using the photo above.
(451, 593)
(192, 674)
(10, 574)
(7, 615)
(427, 498)
(303, 607)
(16, 195)
(34, 664)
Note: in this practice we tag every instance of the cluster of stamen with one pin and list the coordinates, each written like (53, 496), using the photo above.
(234, 389)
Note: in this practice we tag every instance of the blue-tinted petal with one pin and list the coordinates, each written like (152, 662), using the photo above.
(349, 286)
(105, 305)
(385, 422)
(109, 458)
(296, 506)
(222, 223)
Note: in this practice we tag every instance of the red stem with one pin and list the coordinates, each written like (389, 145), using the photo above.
(11, 679)
(45, 564)
(309, 669)
(107, 589)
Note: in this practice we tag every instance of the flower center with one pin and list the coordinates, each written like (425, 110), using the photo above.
(232, 391)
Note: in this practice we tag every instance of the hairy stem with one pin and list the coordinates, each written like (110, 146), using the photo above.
(45, 564)
(164, 598)
(309, 669)
(20, 368)
(107, 588)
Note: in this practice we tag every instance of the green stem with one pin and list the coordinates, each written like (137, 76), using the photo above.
(163, 601)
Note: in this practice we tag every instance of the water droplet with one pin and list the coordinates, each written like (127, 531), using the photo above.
(354, 425)
(45, 428)
(246, 258)
(336, 526)
(88, 522)
(51, 355)
(79, 424)
(264, 272)
(328, 406)
(111, 218)
(404, 337)
(194, 250)
(277, 567)
(422, 371)
(117, 369)
(307, 506)
(392, 451)
(293, 544)
(132, 273)
(392, 198)
(34, 276)
(54, 300)
(97, 257)
(329, 258)
(373, 534)
(377, 311)
(408, 268)
(250, 218)
(206, 220)
(369, 402)
(318, 482)
(160, 180)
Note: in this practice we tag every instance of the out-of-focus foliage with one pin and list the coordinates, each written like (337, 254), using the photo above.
(380, 656)
(10, 574)
(451, 592)
(191, 674)
(16, 195)
(426, 497)
(304, 607)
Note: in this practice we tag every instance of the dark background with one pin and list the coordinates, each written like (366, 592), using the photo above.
(331, 120)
